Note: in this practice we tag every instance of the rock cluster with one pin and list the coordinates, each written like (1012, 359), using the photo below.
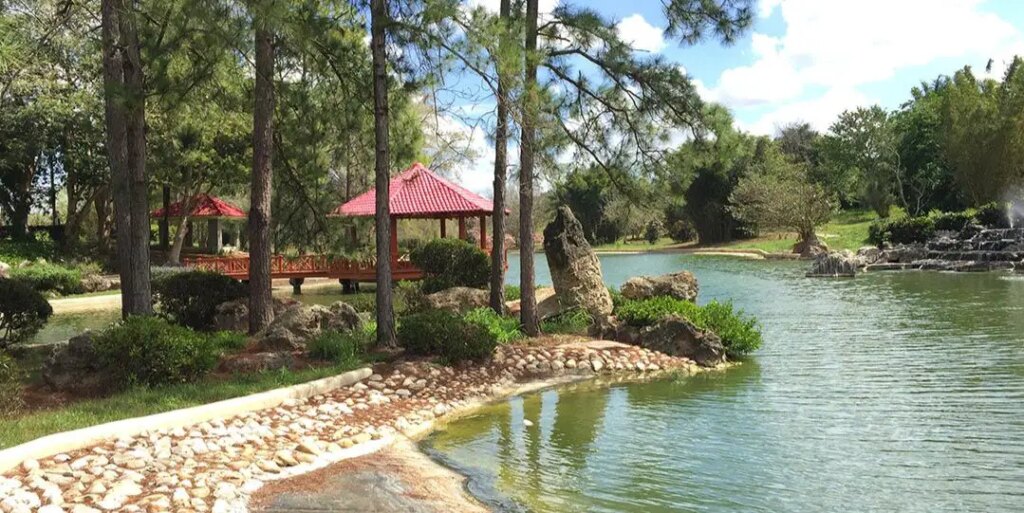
(73, 366)
(297, 325)
(234, 315)
(214, 466)
(680, 285)
(972, 249)
(457, 299)
(836, 263)
(676, 336)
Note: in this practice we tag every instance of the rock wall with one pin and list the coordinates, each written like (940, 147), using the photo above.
(575, 269)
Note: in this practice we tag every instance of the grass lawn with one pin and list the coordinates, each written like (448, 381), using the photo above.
(147, 401)
(847, 230)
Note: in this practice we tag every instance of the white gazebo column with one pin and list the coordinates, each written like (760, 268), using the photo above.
(214, 242)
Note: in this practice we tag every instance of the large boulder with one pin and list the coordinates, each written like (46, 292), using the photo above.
(810, 248)
(836, 263)
(99, 283)
(234, 315)
(869, 254)
(296, 326)
(458, 299)
(250, 363)
(575, 269)
(5, 270)
(905, 253)
(74, 367)
(680, 285)
(676, 336)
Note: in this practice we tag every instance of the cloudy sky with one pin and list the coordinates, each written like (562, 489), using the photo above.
(808, 60)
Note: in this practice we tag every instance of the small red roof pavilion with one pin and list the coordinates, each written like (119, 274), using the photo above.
(204, 206)
(419, 193)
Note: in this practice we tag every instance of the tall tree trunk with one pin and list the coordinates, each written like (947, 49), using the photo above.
(261, 311)
(528, 304)
(382, 176)
(126, 145)
(500, 172)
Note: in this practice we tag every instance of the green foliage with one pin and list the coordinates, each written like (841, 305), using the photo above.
(341, 347)
(49, 277)
(901, 230)
(653, 231)
(227, 341)
(409, 294)
(10, 386)
(952, 221)
(149, 351)
(23, 311)
(571, 322)
(617, 298)
(450, 263)
(862, 144)
(740, 334)
(513, 293)
(504, 329)
(14, 252)
(993, 215)
(191, 298)
(445, 334)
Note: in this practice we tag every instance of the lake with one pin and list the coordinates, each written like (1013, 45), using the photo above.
(886, 392)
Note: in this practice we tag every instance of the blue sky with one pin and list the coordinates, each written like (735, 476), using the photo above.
(809, 60)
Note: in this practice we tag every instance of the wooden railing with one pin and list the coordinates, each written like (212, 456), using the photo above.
(304, 266)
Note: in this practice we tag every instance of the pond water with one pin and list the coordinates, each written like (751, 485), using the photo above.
(887, 392)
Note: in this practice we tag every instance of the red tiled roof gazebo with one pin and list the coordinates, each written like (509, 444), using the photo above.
(205, 206)
(419, 193)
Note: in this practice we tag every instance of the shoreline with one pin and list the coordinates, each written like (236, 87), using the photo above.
(219, 464)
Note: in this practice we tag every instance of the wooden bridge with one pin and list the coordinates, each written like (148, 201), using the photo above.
(304, 266)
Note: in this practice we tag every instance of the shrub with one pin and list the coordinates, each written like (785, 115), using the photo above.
(952, 221)
(227, 341)
(878, 232)
(908, 230)
(652, 232)
(409, 295)
(445, 334)
(993, 215)
(617, 298)
(15, 251)
(504, 329)
(682, 230)
(339, 347)
(47, 277)
(149, 351)
(570, 322)
(450, 263)
(739, 333)
(191, 298)
(23, 311)
(10, 386)
(513, 293)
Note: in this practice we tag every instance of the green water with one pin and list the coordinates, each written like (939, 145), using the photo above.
(888, 392)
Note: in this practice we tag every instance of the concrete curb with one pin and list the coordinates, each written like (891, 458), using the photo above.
(67, 441)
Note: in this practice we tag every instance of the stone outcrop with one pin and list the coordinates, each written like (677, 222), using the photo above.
(836, 263)
(680, 285)
(100, 283)
(457, 299)
(297, 325)
(974, 248)
(575, 269)
(810, 248)
(5, 270)
(676, 336)
(234, 315)
(73, 367)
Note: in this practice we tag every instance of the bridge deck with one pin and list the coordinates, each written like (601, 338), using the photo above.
(305, 266)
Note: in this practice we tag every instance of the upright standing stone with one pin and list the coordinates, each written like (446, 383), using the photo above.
(575, 269)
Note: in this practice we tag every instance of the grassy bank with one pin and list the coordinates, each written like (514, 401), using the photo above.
(147, 401)
(847, 230)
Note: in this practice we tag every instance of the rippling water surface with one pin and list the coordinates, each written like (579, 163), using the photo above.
(888, 392)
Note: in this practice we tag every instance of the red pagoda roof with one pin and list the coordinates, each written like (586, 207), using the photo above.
(205, 205)
(419, 192)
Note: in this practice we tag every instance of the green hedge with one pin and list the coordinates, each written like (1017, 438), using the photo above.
(341, 347)
(504, 329)
(446, 335)
(149, 351)
(740, 333)
(571, 322)
(952, 221)
(47, 277)
(23, 311)
(993, 215)
(901, 230)
(448, 263)
(191, 298)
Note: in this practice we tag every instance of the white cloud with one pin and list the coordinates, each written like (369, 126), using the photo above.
(819, 111)
(641, 35)
(832, 48)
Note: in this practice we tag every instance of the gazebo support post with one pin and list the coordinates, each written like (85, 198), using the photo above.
(394, 243)
(214, 236)
(238, 237)
(483, 232)
(444, 227)
(188, 234)
(462, 228)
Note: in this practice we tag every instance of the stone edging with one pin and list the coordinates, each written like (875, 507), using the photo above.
(68, 441)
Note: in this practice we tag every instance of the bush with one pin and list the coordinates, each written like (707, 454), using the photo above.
(878, 232)
(504, 329)
(513, 293)
(148, 351)
(409, 295)
(908, 230)
(682, 230)
(952, 221)
(652, 232)
(10, 386)
(16, 251)
(448, 263)
(47, 277)
(570, 322)
(617, 298)
(739, 333)
(993, 215)
(347, 348)
(227, 341)
(191, 298)
(23, 311)
(445, 334)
